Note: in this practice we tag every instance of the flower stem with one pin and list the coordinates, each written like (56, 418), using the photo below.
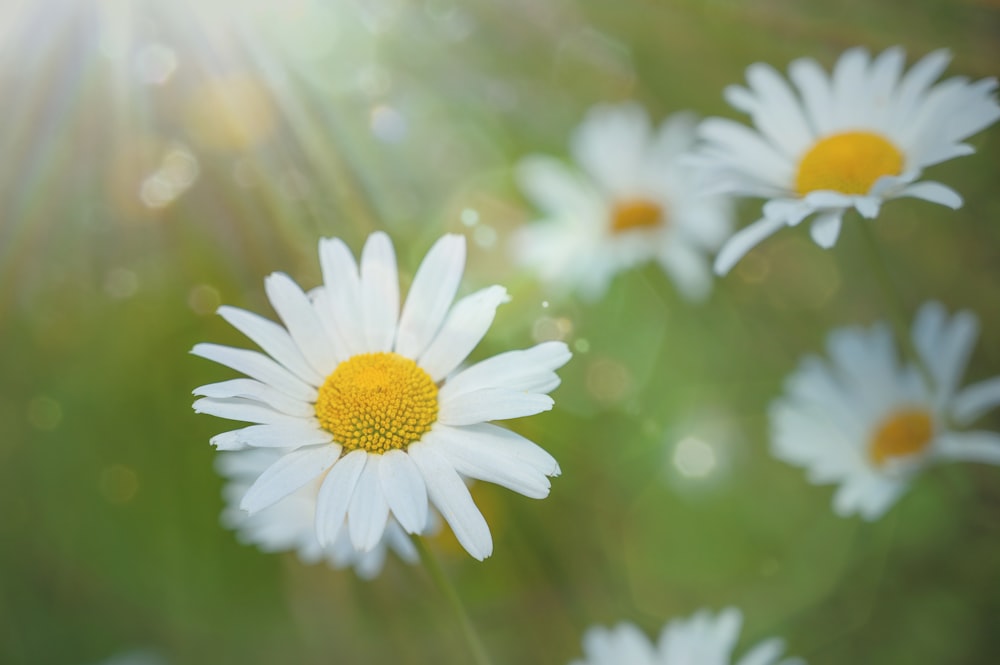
(479, 655)
(894, 301)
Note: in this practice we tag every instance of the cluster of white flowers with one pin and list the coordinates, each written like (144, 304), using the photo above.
(366, 422)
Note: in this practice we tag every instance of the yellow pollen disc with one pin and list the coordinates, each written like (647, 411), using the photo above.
(377, 402)
(635, 214)
(905, 432)
(848, 163)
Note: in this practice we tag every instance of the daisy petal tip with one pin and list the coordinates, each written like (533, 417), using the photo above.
(249, 506)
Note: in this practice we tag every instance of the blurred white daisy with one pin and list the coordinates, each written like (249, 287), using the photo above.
(136, 657)
(702, 639)
(868, 423)
(854, 139)
(370, 399)
(633, 202)
(289, 524)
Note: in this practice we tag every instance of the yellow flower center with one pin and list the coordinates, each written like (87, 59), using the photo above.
(849, 162)
(377, 402)
(905, 432)
(635, 214)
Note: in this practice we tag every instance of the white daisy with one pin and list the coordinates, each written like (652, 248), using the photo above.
(868, 423)
(136, 657)
(370, 400)
(851, 140)
(289, 524)
(701, 639)
(634, 202)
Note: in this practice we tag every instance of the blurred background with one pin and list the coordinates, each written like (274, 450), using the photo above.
(159, 159)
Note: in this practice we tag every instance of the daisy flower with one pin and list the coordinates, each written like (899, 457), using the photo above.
(701, 639)
(633, 202)
(868, 423)
(854, 139)
(289, 524)
(368, 398)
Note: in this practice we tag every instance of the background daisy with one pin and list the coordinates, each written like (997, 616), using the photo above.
(851, 140)
(369, 399)
(290, 524)
(631, 201)
(702, 638)
(868, 423)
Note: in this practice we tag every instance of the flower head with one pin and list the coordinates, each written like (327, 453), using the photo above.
(854, 139)
(633, 202)
(289, 524)
(869, 423)
(369, 399)
(702, 638)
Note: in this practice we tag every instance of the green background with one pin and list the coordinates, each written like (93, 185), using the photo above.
(307, 122)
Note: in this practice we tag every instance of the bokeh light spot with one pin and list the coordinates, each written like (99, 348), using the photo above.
(547, 329)
(469, 216)
(155, 64)
(44, 413)
(387, 124)
(484, 236)
(204, 299)
(694, 458)
(121, 283)
(235, 113)
(118, 483)
(608, 381)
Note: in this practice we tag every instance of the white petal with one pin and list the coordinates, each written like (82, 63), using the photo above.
(368, 512)
(404, 490)
(867, 206)
(688, 270)
(431, 294)
(934, 192)
(487, 458)
(743, 241)
(325, 309)
(765, 653)
(817, 96)
(335, 493)
(465, 326)
(557, 190)
(298, 315)
(258, 366)
(915, 83)
(849, 86)
(974, 401)
(490, 404)
(260, 392)
(289, 473)
(273, 339)
(451, 497)
(610, 144)
(273, 436)
(793, 211)
(969, 447)
(884, 76)
(748, 151)
(826, 228)
(343, 288)
(369, 564)
(379, 292)
(778, 113)
(236, 408)
(528, 370)
(945, 344)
